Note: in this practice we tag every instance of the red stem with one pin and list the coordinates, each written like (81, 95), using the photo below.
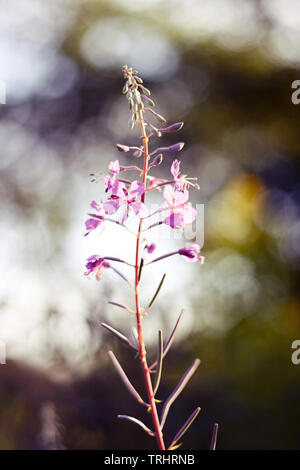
(142, 349)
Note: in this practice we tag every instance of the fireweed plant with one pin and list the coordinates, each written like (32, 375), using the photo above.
(126, 198)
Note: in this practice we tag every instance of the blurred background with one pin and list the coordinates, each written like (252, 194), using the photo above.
(225, 67)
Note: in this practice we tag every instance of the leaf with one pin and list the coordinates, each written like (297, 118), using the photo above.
(117, 333)
(178, 389)
(185, 427)
(140, 270)
(159, 362)
(125, 379)
(157, 292)
(175, 447)
(171, 338)
(213, 442)
(138, 422)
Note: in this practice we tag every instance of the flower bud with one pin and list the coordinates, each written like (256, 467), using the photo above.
(173, 128)
(123, 148)
(131, 123)
(176, 147)
(157, 160)
(191, 252)
(125, 88)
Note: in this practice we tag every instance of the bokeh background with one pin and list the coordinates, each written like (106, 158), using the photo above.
(225, 67)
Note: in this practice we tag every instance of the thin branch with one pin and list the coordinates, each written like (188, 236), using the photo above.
(185, 427)
(125, 379)
(177, 390)
(159, 362)
(171, 338)
(120, 336)
(138, 422)
(214, 437)
(172, 253)
(118, 260)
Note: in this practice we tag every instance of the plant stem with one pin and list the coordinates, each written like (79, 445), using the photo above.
(142, 349)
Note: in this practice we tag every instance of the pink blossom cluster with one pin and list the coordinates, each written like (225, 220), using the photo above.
(124, 198)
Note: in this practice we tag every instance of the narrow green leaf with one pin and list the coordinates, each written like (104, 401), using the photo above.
(140, 270)
(185, 427)
(159, 362)
(214, 437)
(170, 340)
(177, 390)
(119, 335)
(138, 422)
(125, 379)
(157, 292)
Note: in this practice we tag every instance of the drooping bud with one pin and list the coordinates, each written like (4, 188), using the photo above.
(123, 148)
(131, 104)
(125, 88)
(176, 147)
(191, 253)
(159, 117)
(157, 160)
(145, 90)
(138, 153)
(173, 148)
(173, 128)
(149, 100)
(131, 123)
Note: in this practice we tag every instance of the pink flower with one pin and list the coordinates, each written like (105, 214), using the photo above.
(126, 199)
(181, 181)
(110, 180)
(175, 168)
(97, 219)
(191, 252)
(180, 212)
(96, 264)
(149, 247)
(114, 168)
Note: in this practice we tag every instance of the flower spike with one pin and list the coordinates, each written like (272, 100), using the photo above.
(125, 198)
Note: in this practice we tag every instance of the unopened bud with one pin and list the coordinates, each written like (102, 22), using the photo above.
(123, 148)
(173, 128)
(176, 147)
(145, 90)
(157, 160)
(131, 123)
(125, 88)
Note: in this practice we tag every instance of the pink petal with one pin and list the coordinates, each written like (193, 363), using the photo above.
(110, 207)
(92, 224)
(175, 168)
(118, 189)
(168, 194)
(189, 214)
(174, 220)
(139, 208)
(114, 167)
(136, 188)
(181, 197)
